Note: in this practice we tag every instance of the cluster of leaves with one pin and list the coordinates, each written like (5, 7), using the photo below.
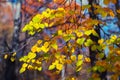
(112, 61)
(50, 48)
(40, 21)
(72, 30)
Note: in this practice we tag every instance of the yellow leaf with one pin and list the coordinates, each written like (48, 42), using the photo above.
(100, 41)
(44, 49)
(79, 34)
(31, 55)
(73, 50)
(80, 56)
(46, 24)
(88, 32)
(55, 46)
(79, 63)
(118, 52)
(68, 61)
(73, 57)
(24, 65)
(87, 59)
(39, 41)
(40, 68)
(57, 55)
(28, 60)
(59, 67)
(30, 67)
(36, 68)
(22, 70)
(46, 44)
(79, 69)
(118, 11)
(5, 56)
(51, 24)
(12, 59)
(33, 60)
(114, 37)
(56, 62)
(38, 49)
(14, 54)
(37, 62)
(51, 67)
(31, 32)
(73, 78)
(60, 32)
(42, 26)
(34, 48)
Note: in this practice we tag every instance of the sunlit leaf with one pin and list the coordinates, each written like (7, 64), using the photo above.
(51, 67)
(31, 55)
(60, 32)
(14, 54)
(89, 42)
(22, 70)
(87, 59)
(55, 46)
(80, 41)
(12, 59)
(88, 32)
(79, 63)
(80, 57)
(95, 33)
(40, 68)
(5, 56)
(24, 65)
(100, 41)
(73, 57)
(78, 69)
(59, 67)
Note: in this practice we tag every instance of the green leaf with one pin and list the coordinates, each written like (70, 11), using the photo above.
(94, 47)
(95, 33)
(80, 41)
(89, 42)
(101, 68)
(94, 68)
(101, 55)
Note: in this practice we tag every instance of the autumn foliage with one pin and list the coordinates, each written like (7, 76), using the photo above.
(65, 30)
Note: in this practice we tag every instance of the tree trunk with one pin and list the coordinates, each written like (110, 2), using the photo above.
(10, 72)
(95, 39)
